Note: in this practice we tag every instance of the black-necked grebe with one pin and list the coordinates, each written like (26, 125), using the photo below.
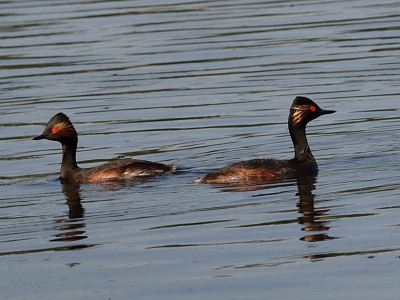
(60, 129)
(302, 111)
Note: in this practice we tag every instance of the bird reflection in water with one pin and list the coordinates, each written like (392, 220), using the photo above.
(72, 226)
(312, 219)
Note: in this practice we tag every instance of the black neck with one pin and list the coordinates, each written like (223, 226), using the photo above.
(301, 149)
(69, 153)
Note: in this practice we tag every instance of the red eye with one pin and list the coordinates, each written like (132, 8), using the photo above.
(313, 108)
(54, 130)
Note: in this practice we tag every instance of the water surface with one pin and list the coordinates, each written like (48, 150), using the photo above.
(200, 84)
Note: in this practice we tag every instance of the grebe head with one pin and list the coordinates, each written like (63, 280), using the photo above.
(59, 128)
(304, 110)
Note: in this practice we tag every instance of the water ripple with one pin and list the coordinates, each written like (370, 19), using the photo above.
(199, 84)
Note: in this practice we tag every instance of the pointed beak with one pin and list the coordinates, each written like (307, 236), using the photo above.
(326, 111)
(39, 137)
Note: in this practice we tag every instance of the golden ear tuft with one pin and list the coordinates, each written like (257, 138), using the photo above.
(297, 117)
(64, 129)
